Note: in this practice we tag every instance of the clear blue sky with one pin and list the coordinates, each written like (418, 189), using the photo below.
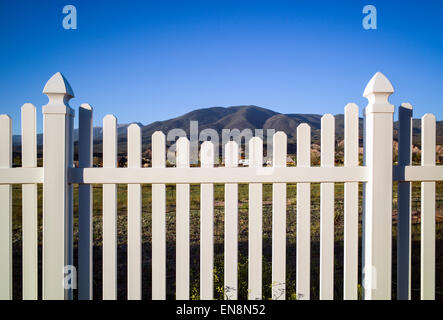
(153, 60)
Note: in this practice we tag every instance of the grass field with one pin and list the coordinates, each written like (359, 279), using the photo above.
(219, 236)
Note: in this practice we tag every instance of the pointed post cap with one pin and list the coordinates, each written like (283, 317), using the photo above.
(378, 84)
(59, 92)
(377, 91)
(58, 84)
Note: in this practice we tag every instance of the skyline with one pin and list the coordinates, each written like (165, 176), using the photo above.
(146, 61)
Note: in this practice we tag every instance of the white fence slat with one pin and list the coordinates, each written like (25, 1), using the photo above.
(109, 211)
(255, 223)
(29, 205)
(327, 211)
(134, 217)
(69, 224)
(404, 205)
(303, 246)
(279, 220)
(85, 205)
(158, 221)
(207, 226)
(5, 210)
(182, 225)
(231, 226)
(350, 277)
(428, 138)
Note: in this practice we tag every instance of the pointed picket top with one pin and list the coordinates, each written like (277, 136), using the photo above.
(134, 128)
(207, 154)
(351, 108)
(158, 135)
(279, 149)
(86, 106)
(182, 156)
(231, 154)
(428, 117)
(111, 119)
(58, 84)
(327, 117)
(158, 148)
(378, 84)
(255, 152)
(406, 105)
(28, 107)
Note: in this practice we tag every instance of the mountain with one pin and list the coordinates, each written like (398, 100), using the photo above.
(236, 117)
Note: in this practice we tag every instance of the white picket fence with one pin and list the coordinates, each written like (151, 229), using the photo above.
(378, 173)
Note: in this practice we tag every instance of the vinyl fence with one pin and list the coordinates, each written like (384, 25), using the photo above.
(378, 174)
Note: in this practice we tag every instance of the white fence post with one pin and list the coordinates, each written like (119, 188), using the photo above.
(56, 208)
(404, 204)
(85, 205)
(377, 221)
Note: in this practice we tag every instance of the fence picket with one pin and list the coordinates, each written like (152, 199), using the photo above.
(29, 205)
(327, 211)
(85, 205)
(255, 223)
(182, 225)
(69, 224)
(404, 204)
(303, 246)
(207, 226)
(350, 265)
(158, 221)
(428, 138)
(134, 217)
(231, 226)
(109, 211)
(279, 220)
(5, 210)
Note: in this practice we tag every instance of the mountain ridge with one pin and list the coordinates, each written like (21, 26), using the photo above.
(237, 117)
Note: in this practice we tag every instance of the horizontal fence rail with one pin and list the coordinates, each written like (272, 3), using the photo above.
(58, 175)
(219, 175)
